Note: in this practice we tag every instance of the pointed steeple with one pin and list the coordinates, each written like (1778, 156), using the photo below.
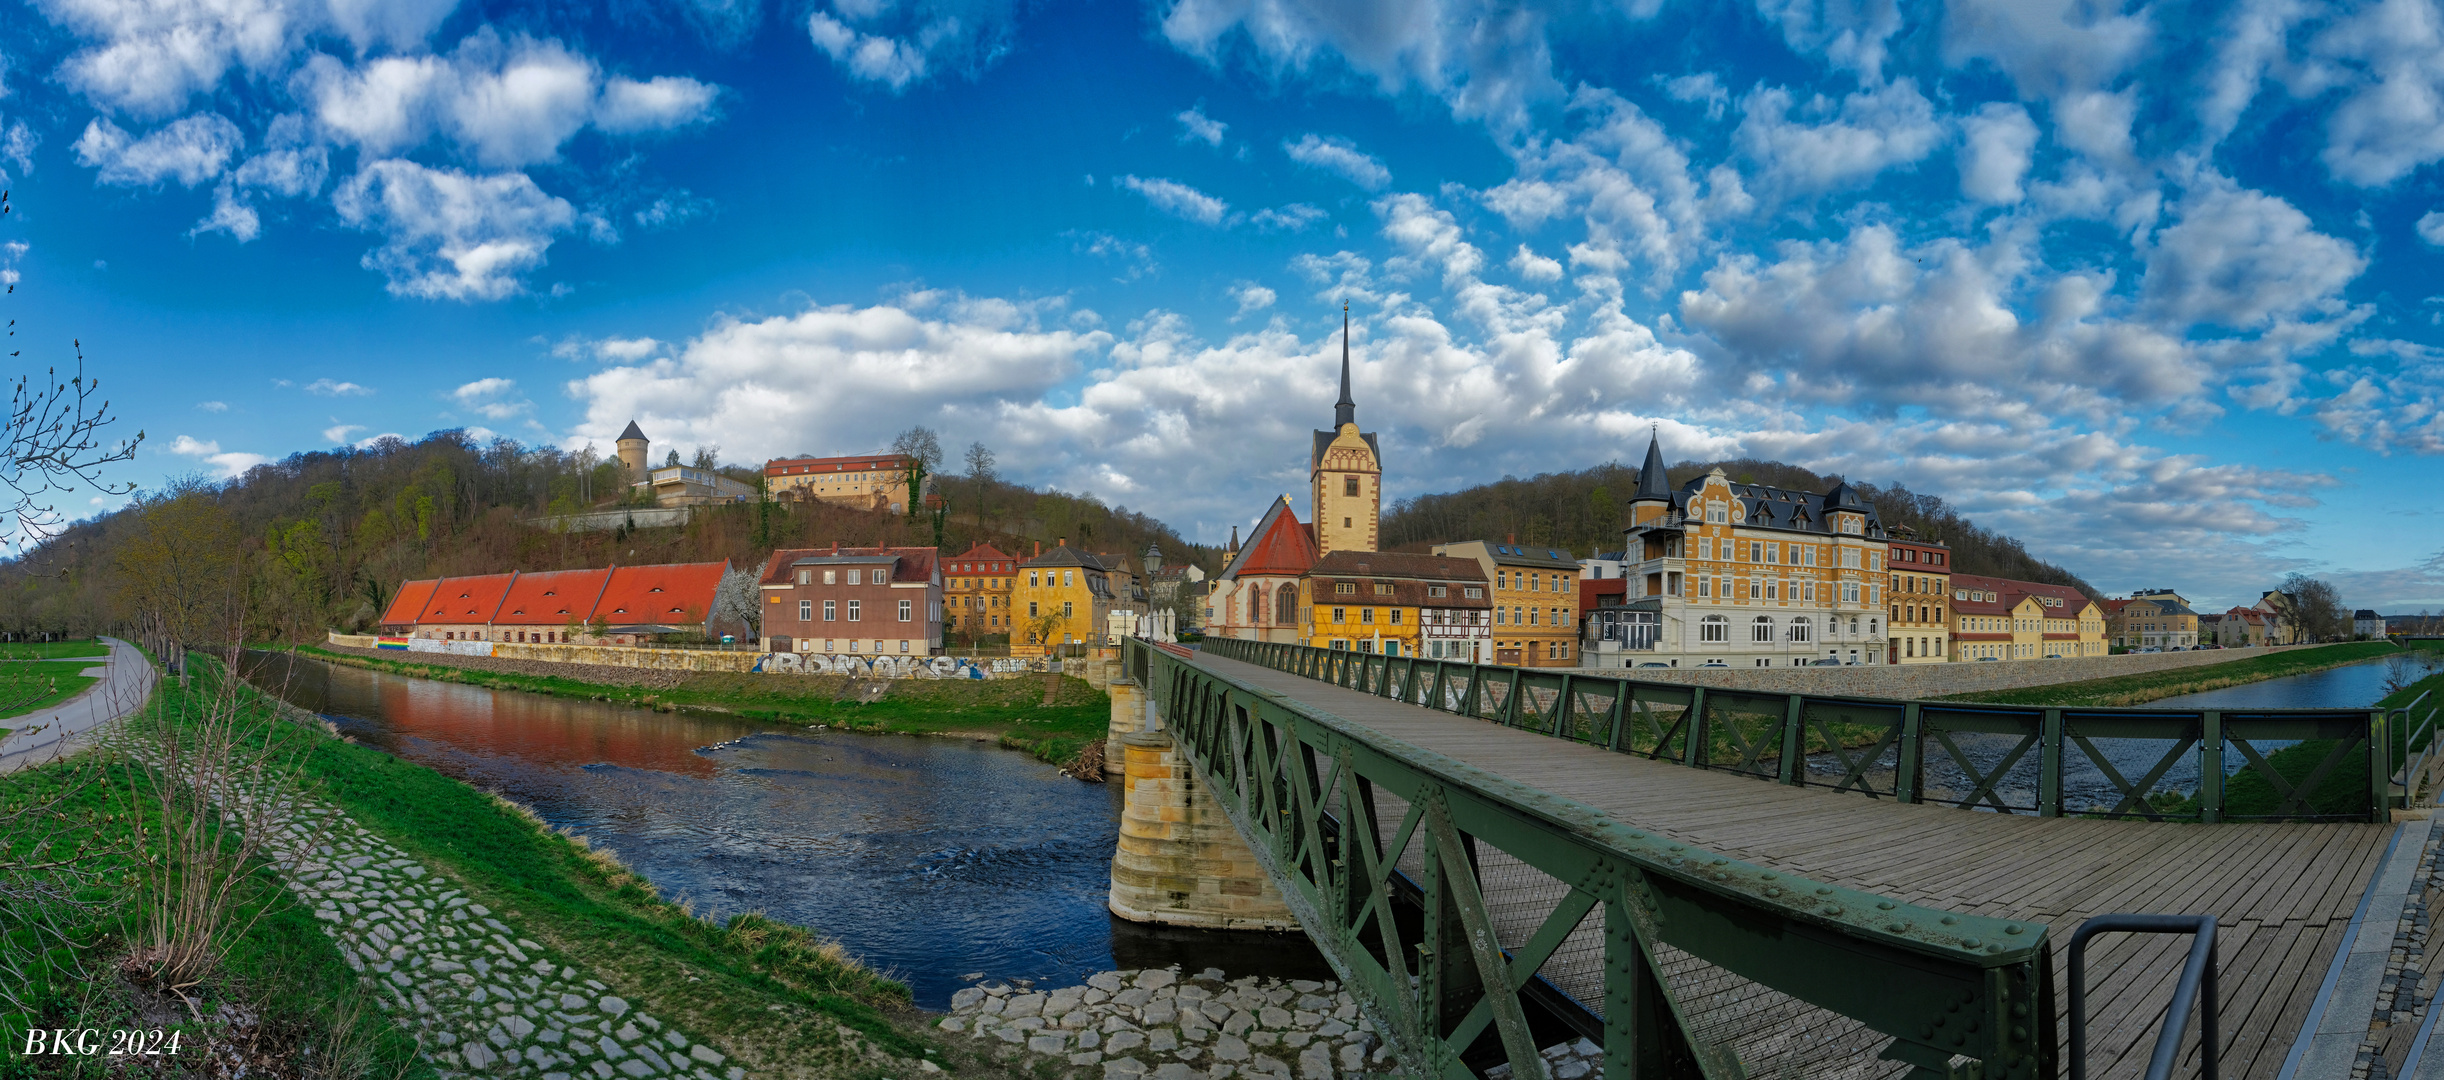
(1344, 411)
(1653, 483)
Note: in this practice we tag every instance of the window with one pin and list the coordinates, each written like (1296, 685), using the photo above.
(903, 641)
(806, 577)
(831, 577)
(1756, 551)
(1762, 630)
(1714, 628)
(1340, 614)
(853, 574)
(1349, 486)
(1475, 592)
(1069, 578)
(1031, 579)
(1031, 612)
(1436, 591)
(1382, 589)
(1773, 590)
(1755, 590)
(907, 610)
(1808, 554)
(1705, 548)
(1502, 579)
(1773, 553)
(854, 605)
(1345, 588)
(831, 610)
(1395, 616)
(1065, 609)
(806, 611)
(1716, 514)
(1534, 617)
(1802, 629)
(1705, 586)
(1366, 615)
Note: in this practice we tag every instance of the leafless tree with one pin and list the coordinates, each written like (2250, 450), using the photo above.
(52, 443)
(2316, 608)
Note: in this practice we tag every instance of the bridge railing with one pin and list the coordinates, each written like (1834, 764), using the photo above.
(1686, 958)
(2207, 765)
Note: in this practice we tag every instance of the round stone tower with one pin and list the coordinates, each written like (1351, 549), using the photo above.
(632, 451)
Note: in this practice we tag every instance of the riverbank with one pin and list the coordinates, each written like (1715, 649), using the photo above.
(1053, 717)
(2138, 689)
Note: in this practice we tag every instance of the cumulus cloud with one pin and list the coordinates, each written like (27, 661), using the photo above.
(1340, 156)
(496, 399)
(1856, 140)
(2389, 56)
(2046, 47)
(1488, 61)
(1534, 267)
(899, 45)
(338, 433)
(662, 103)
(1997, 141)
(1178, 199)
(212, 406)
(228, 463)
(1294, 217)
(1198, 127)
(1251, 297)
(336, 388)
(1849, 33)
(448, 235)
(2431, 227)
(190, 151)
(2241, 258)
(1633, 184)
(1699, 88)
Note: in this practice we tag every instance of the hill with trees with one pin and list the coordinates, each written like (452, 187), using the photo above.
(322, 539)
(1584, 511)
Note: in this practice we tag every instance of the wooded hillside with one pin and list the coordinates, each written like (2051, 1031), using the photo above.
(1584, 511)
(321, 540)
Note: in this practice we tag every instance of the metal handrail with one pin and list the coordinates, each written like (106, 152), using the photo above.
(2415, 767)
(2197, 974)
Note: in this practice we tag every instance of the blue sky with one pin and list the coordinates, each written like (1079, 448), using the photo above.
(2153, 288)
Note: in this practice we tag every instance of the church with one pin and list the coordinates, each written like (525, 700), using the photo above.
(1324, 582)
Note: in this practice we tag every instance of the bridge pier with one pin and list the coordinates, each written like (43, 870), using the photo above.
(1128, 714)
(1180, 861)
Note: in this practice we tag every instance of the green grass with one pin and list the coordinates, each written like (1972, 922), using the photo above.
(1010, 711)
(280, 968)
(31, 687)
(51, 650)
(2151, 686)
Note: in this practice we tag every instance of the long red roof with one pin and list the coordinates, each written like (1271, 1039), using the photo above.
(409, 602)
(556, 598)
(671, 593)
(467, 599)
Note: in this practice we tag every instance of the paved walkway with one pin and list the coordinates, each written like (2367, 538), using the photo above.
(126, 680)
(2286, 895)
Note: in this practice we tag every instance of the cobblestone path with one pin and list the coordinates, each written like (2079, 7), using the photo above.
(478, 998)
(1155, 1023)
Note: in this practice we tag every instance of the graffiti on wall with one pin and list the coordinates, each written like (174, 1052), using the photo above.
(890, 667)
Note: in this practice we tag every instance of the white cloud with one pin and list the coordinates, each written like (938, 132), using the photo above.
(672, 209)
(1867, 133)
(1699, 87)
(1178, 199)
(2241, 258)
(230, 463)
(448, 235)
(230, 215)
(2431, 227)
(922, 38)
(1486, 60)
(1998, 139)
(2389, 55)
(17, 144)
(2097, 123)
(2047, 47)
(1630, 179)
(662, 103)
(338, 433)
(1251, 297)
(1137, 260)
(1194, 124)
(496, 399)
(1534, 267)
(213, 406)
(1338, 155)
(1294, 217)
(336, 388)
(1850, 33)
(191, 150)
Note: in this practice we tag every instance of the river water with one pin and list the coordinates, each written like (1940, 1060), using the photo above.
(2084, 784)
(928, 858)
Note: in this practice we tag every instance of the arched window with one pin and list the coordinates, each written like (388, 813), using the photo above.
(1803, 629)
(1255, 607)
(1285, 604)
(1714, 628)
(1762, 629)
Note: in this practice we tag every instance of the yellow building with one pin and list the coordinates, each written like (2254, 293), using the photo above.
(1061, 597)
(1920, 626)
(976, 591)
(1345, 474)
(868, 482)
(1386, 602)
(2152, 619)
(2001, 619)
(1535, 600)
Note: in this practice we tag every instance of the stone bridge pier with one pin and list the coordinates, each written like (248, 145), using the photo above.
(1180, 861)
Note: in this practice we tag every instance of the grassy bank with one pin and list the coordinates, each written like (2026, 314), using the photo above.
(1050, 716)
(2156, 685)
(31, 687)
(51, 650)
(2344, 790)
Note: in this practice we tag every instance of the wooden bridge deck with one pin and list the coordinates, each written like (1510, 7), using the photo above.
(2282, 894)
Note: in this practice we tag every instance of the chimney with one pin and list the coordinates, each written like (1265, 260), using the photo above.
(1514, 539)
(835, 547)
(1061, 542)
(1039, 549)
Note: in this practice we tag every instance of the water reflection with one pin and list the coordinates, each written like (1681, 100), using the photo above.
(929, 858)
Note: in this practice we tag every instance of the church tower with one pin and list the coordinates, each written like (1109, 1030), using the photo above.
(1346, 473)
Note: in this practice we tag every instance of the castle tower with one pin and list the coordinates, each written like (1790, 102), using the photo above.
(632, 452)
(1346, 473)
(1654, 497)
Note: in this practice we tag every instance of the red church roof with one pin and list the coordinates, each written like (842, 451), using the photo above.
(1280, 546)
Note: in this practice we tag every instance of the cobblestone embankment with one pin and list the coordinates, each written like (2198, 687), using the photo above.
(476, 996)
(1124, 1025)
(602, 674)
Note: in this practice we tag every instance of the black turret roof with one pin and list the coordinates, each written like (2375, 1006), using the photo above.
(1653, 484)
(633, 432)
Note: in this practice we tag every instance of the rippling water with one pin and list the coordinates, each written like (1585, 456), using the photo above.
(930, 858)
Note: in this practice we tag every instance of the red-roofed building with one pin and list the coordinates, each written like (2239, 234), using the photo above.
(2003, 619)
(976, 590)
(866, 481)
(853, 601)
(549, 608)
(625, 605)
(1256, 596)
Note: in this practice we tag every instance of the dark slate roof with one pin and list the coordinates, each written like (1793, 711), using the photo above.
(633, 432)
(1653, 483)
(1065, 555)
(2365, 613)
(1780, 508)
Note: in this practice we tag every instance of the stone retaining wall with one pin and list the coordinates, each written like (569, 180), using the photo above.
(1908, 681)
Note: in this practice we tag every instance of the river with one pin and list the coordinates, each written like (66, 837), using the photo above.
(932, 859)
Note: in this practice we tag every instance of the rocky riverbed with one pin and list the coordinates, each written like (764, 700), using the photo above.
(1157, 1023)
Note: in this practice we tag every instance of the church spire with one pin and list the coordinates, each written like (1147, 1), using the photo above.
(1653, 483)
(1344, 411)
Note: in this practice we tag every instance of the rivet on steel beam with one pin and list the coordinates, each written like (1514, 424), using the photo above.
(1824, 890)
(1970, 943)
(1832, 909)
(1898, 928)
(2011, 929)
(1885, 905)
(1948, 920)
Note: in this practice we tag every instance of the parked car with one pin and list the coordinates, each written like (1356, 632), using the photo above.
(1826, 662)
(1989, 658)
(1654, 663)
(1714, 663)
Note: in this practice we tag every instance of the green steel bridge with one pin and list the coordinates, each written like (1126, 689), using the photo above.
(1726, 884)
